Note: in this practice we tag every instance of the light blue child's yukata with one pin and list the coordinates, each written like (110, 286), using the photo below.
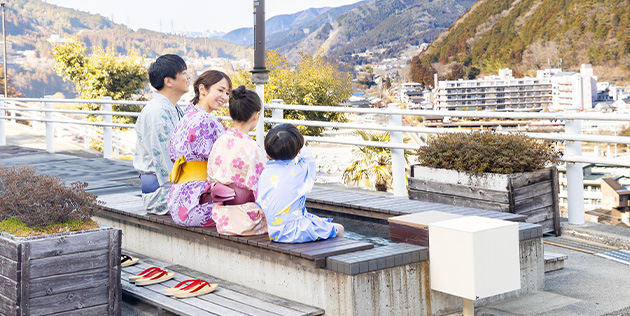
(282, 190)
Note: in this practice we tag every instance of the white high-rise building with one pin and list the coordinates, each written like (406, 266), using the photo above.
(551, 89)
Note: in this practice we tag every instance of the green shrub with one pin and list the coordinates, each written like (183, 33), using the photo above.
(39, 200)
(486, 151)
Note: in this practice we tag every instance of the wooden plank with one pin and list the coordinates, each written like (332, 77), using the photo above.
(9, 288)
(337, 250)
(113, 269)
(253, 297)
(409, 234)
(69, 282)
(8, 307)
(8, 247)
(98, 310)
(69, 263)
(300, 248)
(24, 279)
(422, 220)
(458, 201)
(155, 295)
(533, 203)
(532, 190)
(530, 178)
(557, 230)
(9, 268)
(356, 210)
(68, 244)
(459, 190)
(64, 302)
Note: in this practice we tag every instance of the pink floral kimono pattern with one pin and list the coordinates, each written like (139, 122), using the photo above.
(193, 138)
(237, 159)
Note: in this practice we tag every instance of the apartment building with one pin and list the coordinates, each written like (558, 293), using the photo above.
(502, 92)
(550, 89)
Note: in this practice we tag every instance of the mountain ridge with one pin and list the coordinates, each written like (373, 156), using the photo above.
(527, 35)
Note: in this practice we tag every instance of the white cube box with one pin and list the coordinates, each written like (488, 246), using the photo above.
(474, 257)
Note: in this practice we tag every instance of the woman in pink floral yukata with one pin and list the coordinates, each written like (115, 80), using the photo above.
(191, 143)
(235, 164)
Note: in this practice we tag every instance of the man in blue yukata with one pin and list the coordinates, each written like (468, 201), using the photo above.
(154, 128)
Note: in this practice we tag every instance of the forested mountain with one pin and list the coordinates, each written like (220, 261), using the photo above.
(30, 24)
(287, 29)
(527, 35)
(389, 24)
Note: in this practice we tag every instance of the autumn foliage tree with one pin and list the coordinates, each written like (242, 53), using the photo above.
(13, 92)
(313, 81)
(103, 73)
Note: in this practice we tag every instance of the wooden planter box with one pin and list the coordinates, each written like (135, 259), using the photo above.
(534, 194)
(74, 273)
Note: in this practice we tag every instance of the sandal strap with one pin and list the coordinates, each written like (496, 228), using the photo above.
(191, 285)
(158, 275)
(125, 258)
(149, 271)
(184, 282)
(201, 285)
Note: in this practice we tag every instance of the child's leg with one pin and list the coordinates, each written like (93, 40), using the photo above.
(340, 229)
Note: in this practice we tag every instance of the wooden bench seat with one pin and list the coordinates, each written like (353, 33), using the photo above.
(311, 253)
(384, 207)
(227, 299)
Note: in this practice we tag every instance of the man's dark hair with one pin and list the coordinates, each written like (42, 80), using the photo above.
(244, 104)
(283, 142)
(166, 66)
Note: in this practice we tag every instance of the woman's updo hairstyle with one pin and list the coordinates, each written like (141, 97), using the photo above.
(283, 142)
(244, 104)
(208, 78)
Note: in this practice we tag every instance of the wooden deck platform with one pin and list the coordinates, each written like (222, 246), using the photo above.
(228, 299)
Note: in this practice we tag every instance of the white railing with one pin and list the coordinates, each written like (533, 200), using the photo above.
(572, 136)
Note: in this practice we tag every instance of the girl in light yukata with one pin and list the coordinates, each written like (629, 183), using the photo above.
(234, 165)
(190, 145)
(283, 186)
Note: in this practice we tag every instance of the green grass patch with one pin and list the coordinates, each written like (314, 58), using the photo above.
(17, 228)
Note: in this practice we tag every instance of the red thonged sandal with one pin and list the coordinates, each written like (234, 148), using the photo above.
(146, 273)
(158, 277)
(201, 288)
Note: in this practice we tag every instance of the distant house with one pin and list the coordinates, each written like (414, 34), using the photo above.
(614, 195)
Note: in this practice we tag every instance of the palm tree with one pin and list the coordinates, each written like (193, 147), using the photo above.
(372, 164)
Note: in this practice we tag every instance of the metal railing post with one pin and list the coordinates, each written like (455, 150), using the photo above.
(277, 114)
(86, 137)
(575, 175)
(260, 126)
(3, 136)
(50, 128)
(107, 130)
(398, 155)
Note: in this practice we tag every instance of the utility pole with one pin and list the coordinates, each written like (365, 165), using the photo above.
(4, 39)
(260, 74)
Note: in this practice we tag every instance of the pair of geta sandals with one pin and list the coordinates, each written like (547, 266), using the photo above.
(191, 288)
(150, 276)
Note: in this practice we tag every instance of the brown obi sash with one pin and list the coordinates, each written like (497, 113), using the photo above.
(186, 171)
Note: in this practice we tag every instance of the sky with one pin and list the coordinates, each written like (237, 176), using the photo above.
(191, 15)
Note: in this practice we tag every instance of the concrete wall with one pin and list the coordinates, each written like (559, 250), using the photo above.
(402, 290)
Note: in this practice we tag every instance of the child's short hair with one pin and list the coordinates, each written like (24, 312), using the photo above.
(166, 66)
(244, 104)
(283, 142)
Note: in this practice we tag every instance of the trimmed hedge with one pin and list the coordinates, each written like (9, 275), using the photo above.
(487, 151)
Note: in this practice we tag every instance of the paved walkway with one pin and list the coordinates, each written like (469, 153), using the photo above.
(588, 284)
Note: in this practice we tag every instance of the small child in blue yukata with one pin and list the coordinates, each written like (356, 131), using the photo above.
(283, 186)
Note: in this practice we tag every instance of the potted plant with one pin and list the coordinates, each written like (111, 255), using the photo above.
(492, 171)
(53, 257)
